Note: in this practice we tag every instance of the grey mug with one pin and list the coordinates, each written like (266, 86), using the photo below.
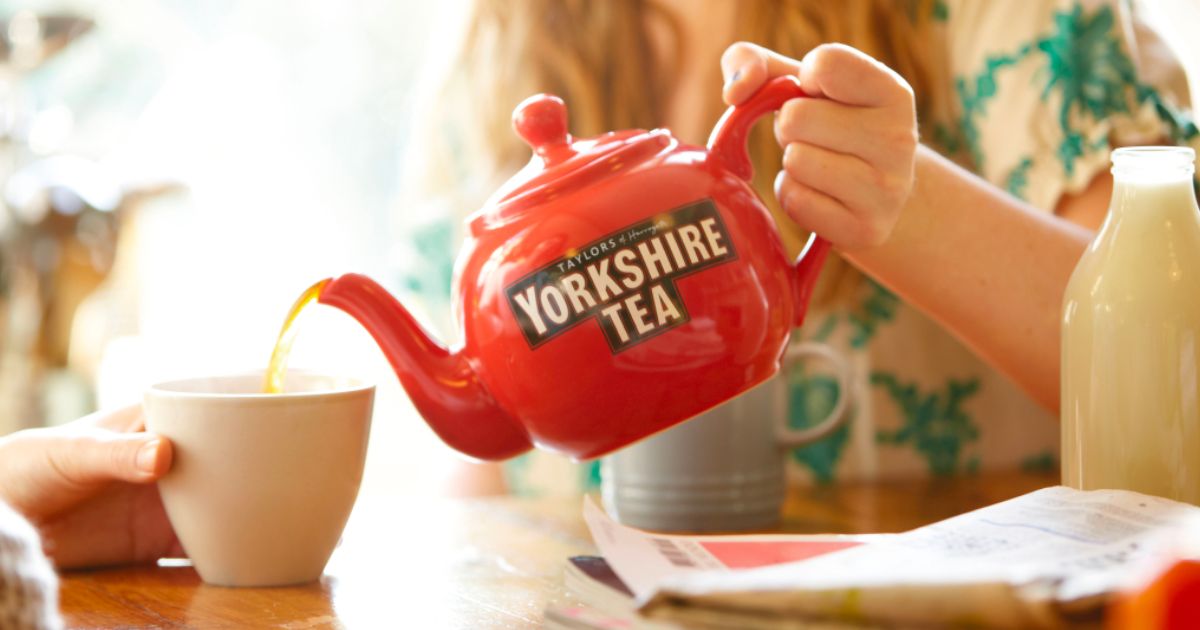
(723, 470)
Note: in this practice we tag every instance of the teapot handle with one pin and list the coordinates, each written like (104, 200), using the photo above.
(728, 144)
(728, 139)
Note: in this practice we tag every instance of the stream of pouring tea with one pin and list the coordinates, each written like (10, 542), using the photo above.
(277, 368)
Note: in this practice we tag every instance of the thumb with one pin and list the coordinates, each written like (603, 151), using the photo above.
(102, 457)
(746, 67)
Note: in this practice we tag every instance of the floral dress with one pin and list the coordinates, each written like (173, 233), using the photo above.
(1042, 91)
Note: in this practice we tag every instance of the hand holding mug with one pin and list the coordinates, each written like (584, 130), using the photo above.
(88, 487)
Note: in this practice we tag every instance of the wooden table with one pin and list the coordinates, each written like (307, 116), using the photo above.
(482, 563)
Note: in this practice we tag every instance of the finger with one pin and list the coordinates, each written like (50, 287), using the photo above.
(746, 67)
(817, 212)
(151, 528)
(123, 419)
(123, 524)
(852, 77)
(102, 457)
(846, 178)
(868, 133)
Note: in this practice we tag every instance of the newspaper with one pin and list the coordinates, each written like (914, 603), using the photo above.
(643, 560)
(1046, 559)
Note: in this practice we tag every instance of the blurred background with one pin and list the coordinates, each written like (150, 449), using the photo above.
(173, 174)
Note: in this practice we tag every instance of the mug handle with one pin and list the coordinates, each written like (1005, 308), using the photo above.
(793, 438)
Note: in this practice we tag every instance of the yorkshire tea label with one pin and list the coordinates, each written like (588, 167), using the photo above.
(626, 280)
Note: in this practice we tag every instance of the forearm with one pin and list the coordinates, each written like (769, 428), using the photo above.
(989, 268)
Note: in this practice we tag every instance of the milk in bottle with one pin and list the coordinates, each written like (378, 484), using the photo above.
(1131, 335)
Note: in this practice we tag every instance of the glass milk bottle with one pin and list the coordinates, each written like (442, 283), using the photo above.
(1131, 336)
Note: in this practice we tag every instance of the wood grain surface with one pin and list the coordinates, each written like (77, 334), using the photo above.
(478, 563)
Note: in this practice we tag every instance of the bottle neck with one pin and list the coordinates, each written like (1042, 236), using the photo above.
(1138, 197)
(1153, 182)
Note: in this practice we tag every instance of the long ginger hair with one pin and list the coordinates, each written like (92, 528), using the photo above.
(599, 56)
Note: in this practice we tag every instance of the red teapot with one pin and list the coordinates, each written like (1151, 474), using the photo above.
(616, 286)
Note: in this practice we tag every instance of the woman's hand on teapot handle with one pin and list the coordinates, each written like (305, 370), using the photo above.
(88, 488)
(849, 151)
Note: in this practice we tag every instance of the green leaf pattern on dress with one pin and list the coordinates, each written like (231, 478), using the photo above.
(591, 475)
(1083, 61)
(1086, 65)
(879, 307)
(430, 275)
(975, 95)
(1018, 178)
(935, 423)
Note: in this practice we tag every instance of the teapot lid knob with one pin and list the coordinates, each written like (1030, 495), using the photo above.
(541, 121)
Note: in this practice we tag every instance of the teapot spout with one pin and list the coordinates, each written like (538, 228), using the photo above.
(808, 268)
(441, 382)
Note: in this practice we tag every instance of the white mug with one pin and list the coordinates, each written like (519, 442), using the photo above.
(723, 470)
(261, 484)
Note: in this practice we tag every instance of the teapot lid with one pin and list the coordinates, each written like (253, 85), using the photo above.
(561, 163)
